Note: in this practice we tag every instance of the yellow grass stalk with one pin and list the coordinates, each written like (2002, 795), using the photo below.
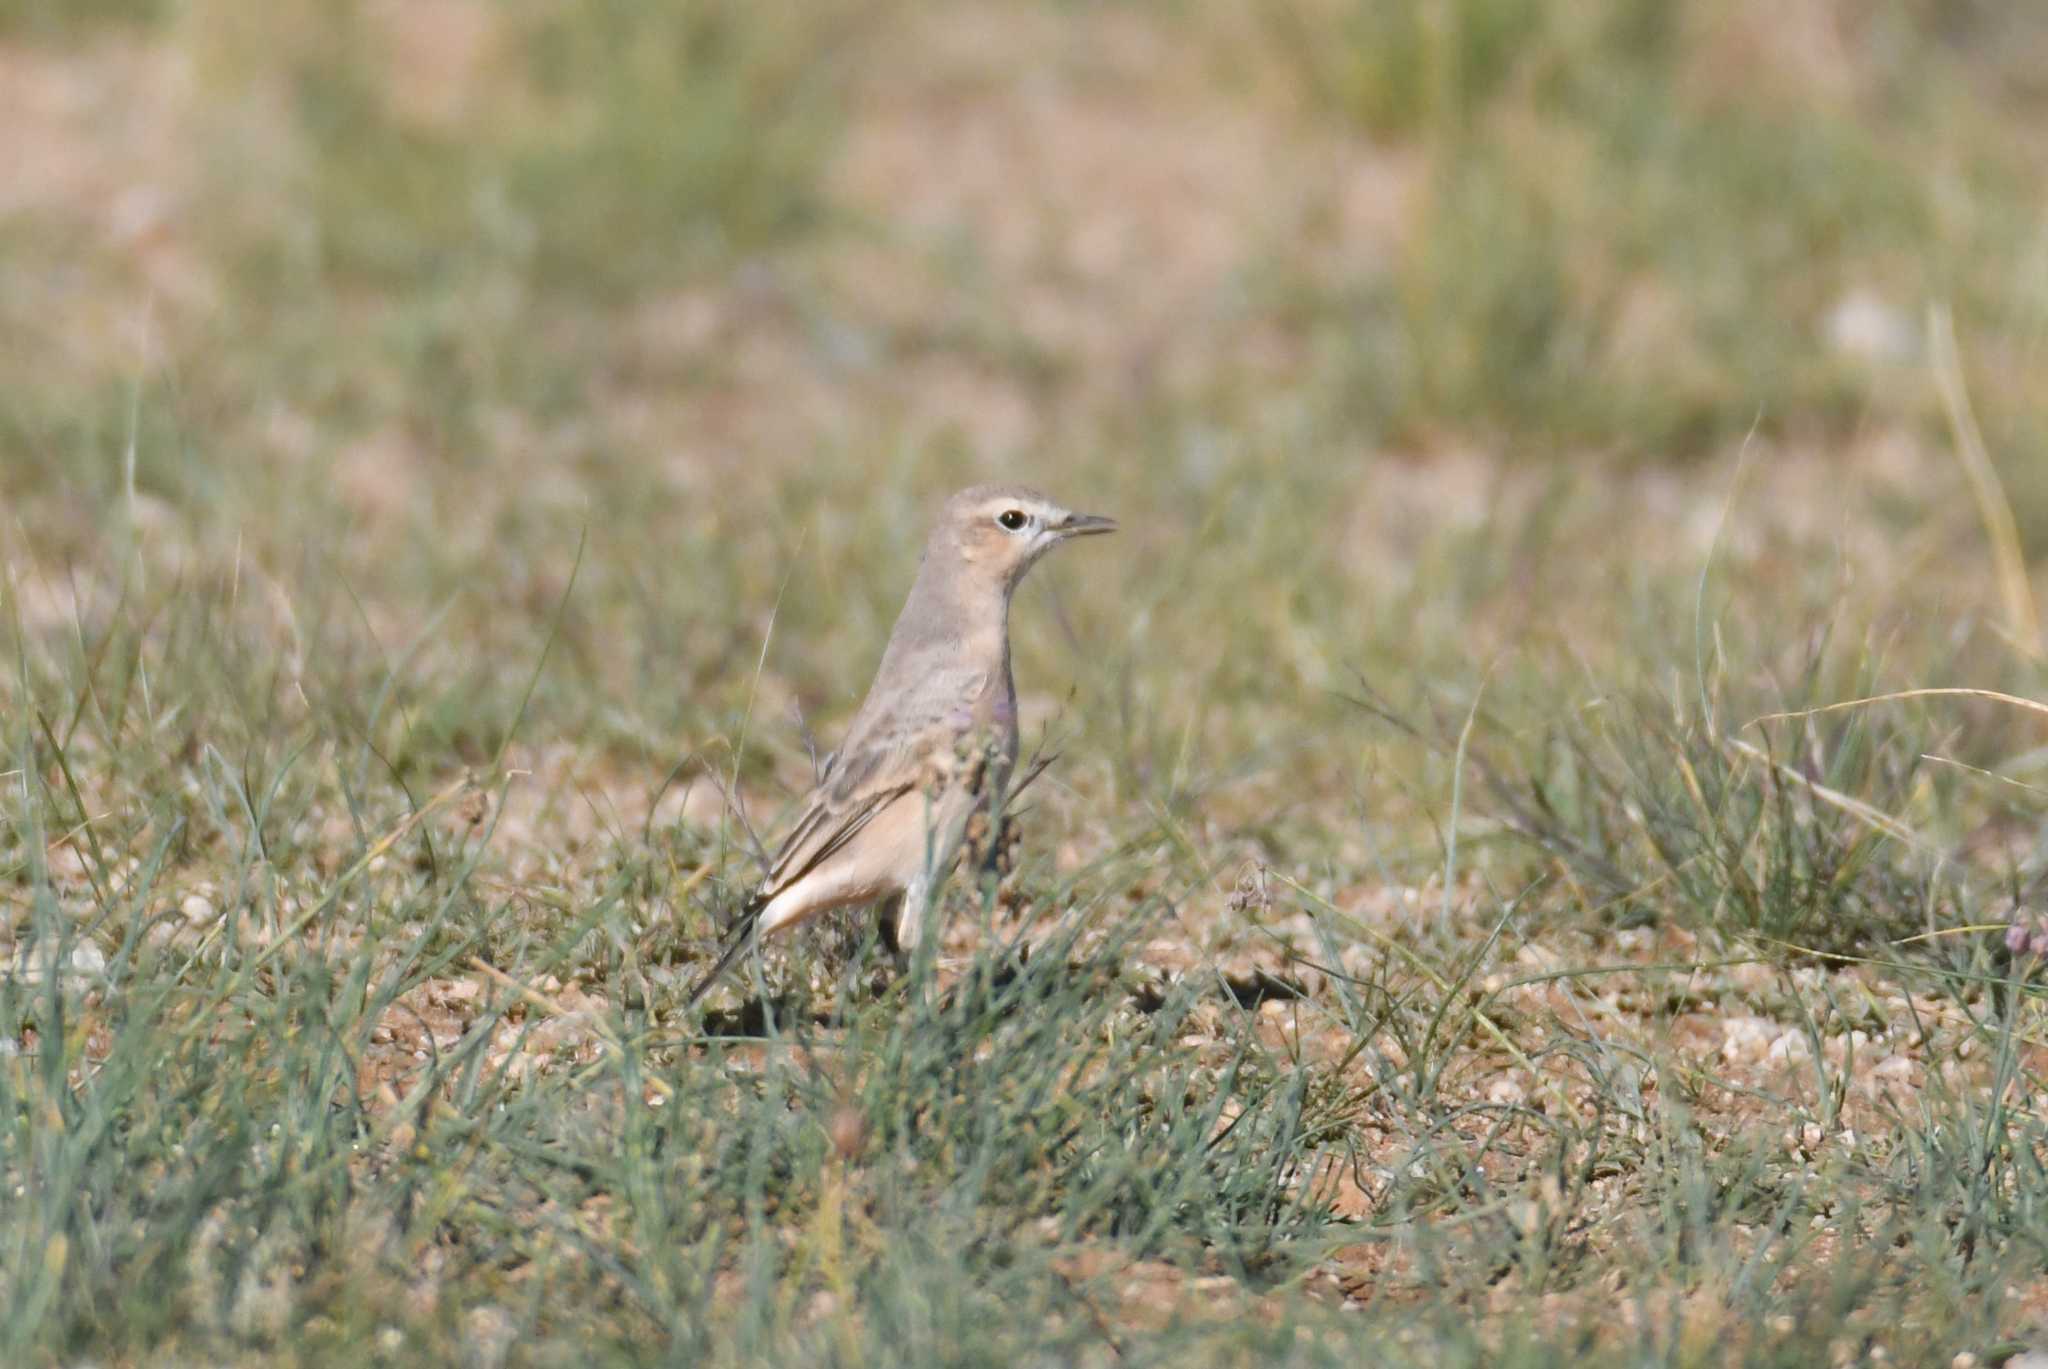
(2023, 620)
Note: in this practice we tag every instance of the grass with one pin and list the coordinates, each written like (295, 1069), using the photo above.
(1615, 187)
(440, 444)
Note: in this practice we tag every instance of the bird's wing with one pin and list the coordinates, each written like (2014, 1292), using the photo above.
(833, 817)
(824, 830)
(888, 754)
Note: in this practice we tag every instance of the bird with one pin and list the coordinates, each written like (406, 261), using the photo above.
(933, 743)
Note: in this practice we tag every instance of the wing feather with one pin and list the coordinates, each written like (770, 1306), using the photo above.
(887, 754)
(799, 857)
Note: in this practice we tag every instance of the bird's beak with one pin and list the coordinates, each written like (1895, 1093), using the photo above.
(1084, 524)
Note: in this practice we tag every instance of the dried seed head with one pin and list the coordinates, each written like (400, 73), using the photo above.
(848, 1131)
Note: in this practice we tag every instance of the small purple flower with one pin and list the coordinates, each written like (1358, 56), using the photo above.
(2040, 941)
(2017, 936)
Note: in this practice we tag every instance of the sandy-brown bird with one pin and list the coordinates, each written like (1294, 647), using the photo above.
(934, 741)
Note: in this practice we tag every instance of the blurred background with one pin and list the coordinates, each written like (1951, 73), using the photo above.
(1399, 333)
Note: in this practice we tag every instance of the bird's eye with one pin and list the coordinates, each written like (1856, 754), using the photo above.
(1012, 519)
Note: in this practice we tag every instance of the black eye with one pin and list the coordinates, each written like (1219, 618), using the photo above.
(1012, 519)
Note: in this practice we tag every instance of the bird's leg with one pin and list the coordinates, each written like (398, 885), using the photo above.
(908, 913)
(946, 779)
(903, 925)
(911, 910)
(892, 930)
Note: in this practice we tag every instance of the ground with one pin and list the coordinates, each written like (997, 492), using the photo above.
(1544, 860)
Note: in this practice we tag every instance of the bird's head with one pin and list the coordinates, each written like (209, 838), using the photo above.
(1001, 530)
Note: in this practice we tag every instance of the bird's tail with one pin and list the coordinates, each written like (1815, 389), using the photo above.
(738, 938)
(744, 927)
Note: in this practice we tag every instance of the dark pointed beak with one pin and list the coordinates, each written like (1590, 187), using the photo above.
(1085, 524)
